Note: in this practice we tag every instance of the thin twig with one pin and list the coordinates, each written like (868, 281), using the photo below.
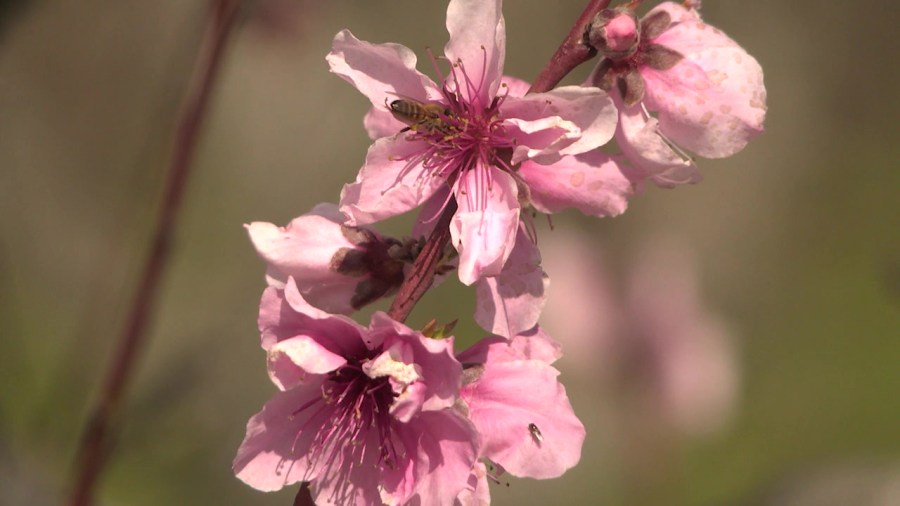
(422, 273)
(571, 53)
(95, 442)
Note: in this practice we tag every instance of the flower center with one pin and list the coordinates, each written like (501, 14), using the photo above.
(352, 424)
(461, 133)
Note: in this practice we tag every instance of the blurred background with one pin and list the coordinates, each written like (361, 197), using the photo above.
(732, 342)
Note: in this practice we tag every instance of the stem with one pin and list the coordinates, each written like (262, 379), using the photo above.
(422, 274)
(571, 53)
(95, 442)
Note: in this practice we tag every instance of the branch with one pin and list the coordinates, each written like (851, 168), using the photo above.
(422, 273)
(95, 441)
(571, 53)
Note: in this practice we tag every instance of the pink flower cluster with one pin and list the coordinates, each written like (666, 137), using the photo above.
(385, 414)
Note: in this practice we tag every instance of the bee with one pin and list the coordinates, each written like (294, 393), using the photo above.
(535, 433)
(420, 116)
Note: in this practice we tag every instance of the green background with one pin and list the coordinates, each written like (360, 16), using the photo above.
(796, 238)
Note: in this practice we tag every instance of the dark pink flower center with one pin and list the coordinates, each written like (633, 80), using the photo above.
(352, 423)
(466, 135)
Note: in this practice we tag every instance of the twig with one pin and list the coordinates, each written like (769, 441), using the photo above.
(95, 442)
(571, 53)
(422, 273)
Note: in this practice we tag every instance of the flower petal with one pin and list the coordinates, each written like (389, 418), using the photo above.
(589, 109)
(277, 319)
(483, 230)
(639, 138)
(478, 39)
(511, 302)
(714, 100)
(532, 345)
(514, 86)
(381, 72)
(389, 184)
(292, 360)
(441, 372)
(595, 183)
(524, 418)
(293, 316)
(304, 249)
(444, 444)
(477, 491)
(540, 137)
(272, 454)
(379, 122)
(358, 487)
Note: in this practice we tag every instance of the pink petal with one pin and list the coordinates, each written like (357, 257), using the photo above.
(511, 302)
(277, 319)
(272, 454)
(507, 400)
(334, 296)
(441, 372)
(532, 345)
(292, 360)
(304, 249)
(337, 333)
(381, 72)
(589, 109)
(478, 39)
(431, 211)
(540, 137)
(484, 232)
(359, 487)
(595, 183)
(379, 122)
(713, 101)
(639, 139)
(439, 470)
(514, 86)
(389, 184)
(477, 491)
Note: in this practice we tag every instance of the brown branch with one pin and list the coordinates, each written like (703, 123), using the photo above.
(422, 273)
(571, 53)
(96, 438)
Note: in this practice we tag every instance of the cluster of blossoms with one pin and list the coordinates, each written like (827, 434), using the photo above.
(385, 414)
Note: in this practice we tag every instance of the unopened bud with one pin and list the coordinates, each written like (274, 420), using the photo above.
(615, 33)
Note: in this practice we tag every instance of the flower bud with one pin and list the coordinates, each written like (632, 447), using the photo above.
(615, 33)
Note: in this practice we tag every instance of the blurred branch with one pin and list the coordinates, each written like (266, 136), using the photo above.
(95, 443)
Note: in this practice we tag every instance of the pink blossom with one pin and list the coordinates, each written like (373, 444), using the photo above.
(708, 93)
(481, 126)
(588, 318)
(524, 419)
(363, 414)
(688, 350)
